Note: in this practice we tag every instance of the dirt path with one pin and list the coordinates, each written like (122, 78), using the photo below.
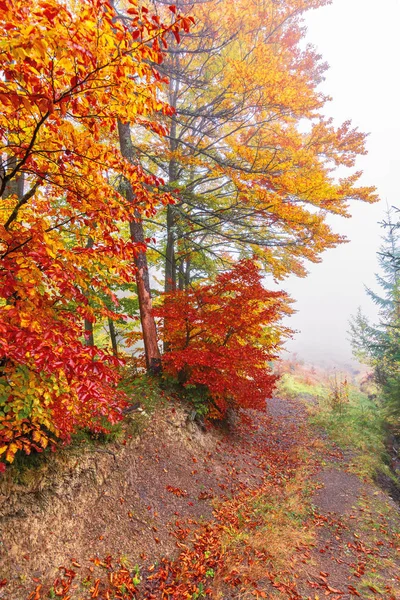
(355, 552)
(357, 531)
(266, 510)
(358, 537)
(312, 528)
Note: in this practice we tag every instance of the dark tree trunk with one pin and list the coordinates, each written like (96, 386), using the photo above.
(152, 351)
(89, 337)
(113, 337)
(181, 276)
(187, 273)
(170, 260)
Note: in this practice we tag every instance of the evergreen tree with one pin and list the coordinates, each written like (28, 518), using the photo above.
(379, 344)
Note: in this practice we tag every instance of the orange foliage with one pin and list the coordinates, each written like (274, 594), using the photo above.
(251, 149)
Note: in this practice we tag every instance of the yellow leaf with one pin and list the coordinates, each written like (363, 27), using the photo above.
(11, 451)
(36, 436)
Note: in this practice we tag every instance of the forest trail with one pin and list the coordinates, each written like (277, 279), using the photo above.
(269, 509)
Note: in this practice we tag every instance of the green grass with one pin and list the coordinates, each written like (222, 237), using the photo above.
(352, 420)
(357, 425)
(294, 388)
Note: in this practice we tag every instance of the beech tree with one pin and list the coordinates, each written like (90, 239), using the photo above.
(222, 336)
(131, 18)
(151, 349)
(250, 156)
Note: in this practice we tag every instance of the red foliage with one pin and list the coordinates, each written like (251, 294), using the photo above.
(69, 76)
(222, 336)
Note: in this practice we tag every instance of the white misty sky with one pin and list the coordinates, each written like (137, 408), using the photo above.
(360, 41)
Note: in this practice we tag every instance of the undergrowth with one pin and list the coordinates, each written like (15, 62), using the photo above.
(275, 522)
(358, 425)
(352, 420)
(269, 530)
(145, 394)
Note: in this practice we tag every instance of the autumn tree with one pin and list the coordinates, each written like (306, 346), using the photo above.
(70, 72)
(250, 156)
(150, 341)
(131, 19)
(223, 336)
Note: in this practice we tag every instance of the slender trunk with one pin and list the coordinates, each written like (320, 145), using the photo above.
(170, 257)
(181, 275)
(187, 273)
(170, 260)
(113, 337)
(89, 337)
(151, 349)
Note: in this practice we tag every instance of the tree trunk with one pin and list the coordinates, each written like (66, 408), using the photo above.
(187, 273)
(181, 275)
(170, 260)
(151, 349)
(113, 337)
(89, 337)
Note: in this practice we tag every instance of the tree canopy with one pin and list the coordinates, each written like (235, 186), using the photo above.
(193, 132)
(250, 156)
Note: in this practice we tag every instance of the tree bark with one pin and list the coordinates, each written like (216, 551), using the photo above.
(151, 349)
(187, 273)
(113, 337)
(181, 278)
(89, 337)
(170, 260)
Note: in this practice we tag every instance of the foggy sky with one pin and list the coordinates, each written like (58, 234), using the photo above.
(360, 41)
